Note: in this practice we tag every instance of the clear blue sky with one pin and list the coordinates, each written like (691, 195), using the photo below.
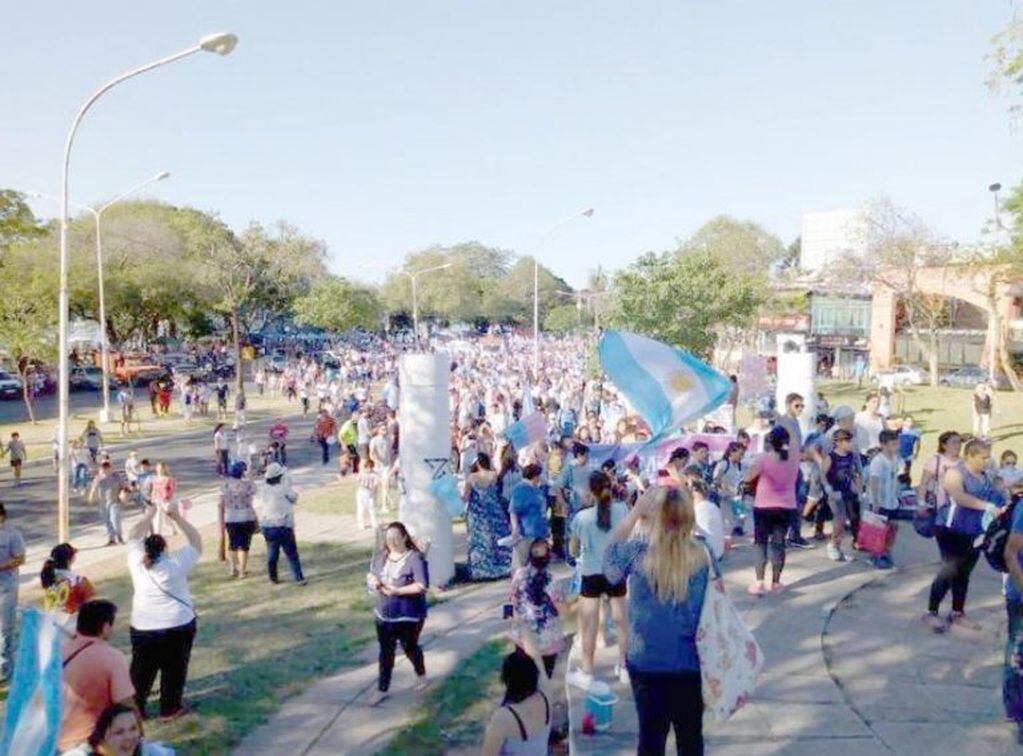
(383, 127)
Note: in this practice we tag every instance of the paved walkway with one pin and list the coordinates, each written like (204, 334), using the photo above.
(850, 669)
(334, 717)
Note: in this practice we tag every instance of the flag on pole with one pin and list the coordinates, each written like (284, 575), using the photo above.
(667, 386)
(528, 430)
(32, 724)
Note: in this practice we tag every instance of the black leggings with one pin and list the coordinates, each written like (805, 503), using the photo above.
(166, 652)
(389, 634)
(958, 558)
(769, 525)
(664, 700)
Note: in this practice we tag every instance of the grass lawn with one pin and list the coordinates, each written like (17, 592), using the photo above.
(259, 643)
(454, 713)
(935, 410)
(335, 498)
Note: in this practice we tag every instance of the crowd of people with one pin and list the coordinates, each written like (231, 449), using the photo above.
(640, 533)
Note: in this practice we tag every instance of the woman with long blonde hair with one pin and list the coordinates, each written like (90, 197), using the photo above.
(667, 575)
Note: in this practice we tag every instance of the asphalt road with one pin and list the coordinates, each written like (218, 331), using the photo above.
(14, 411)
(32, 507)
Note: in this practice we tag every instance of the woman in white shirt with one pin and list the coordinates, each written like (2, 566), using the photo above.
(163, 618)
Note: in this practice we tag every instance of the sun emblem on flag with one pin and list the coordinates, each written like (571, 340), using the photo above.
(680, 381)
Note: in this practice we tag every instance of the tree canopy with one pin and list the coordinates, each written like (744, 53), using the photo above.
(337, 304)
(685, 297)
(479, 282)
(743, 245)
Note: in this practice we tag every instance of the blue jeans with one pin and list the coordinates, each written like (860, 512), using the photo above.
(8, 616)
(276, 540)
(1012, 675)
(81, 476)
(111, 514)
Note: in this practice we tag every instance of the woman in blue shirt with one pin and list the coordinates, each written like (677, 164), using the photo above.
(591, 533)
(667, 578)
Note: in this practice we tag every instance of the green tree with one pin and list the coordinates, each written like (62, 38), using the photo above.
(562, 319)
(1006, 58)
(337, 304)
(517, 286)
(455, 293)
(17, 222)
(685, 297)
(254, 271)
(744, 245)
(28, 315)
(790, 260)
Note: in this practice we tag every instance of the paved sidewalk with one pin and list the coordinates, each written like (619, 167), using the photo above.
(850, 669)
(333, 715)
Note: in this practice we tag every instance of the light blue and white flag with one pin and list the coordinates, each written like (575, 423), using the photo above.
(667, 386)
(32, 724)
(530, 429)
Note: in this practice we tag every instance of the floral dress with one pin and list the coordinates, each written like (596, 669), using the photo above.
(534, 594)
(487, 523)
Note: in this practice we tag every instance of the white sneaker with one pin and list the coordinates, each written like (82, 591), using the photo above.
(835, 553)
(579, 679)
(622, 673)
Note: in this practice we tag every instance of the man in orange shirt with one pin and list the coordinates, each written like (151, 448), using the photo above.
(96, 675)
(323, 433)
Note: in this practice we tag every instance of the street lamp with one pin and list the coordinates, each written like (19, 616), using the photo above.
(992, 330)
(220, 44)
(415, 296)
(994, 189)
(587, 213)
(97, 214)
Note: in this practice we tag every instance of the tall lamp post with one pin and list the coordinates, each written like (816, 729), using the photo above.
(994, 189)
(222, 44)
(97, 214)
(413, 277)
(992, 331)
(587, 213)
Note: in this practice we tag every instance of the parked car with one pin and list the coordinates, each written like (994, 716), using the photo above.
(10, 386)
(86, 378)
(969, 376)
(901, 375)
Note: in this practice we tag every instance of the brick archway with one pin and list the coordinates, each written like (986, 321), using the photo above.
(967, 283)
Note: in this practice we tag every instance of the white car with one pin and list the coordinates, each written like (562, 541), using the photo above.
(901, 375)
(10, 387)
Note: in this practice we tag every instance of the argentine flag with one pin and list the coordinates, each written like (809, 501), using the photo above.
(32, 724)
(668, 387)
(528, 430)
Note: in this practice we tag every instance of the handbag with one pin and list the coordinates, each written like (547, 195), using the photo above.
(876, 535)
(730, 657)
(925, 522)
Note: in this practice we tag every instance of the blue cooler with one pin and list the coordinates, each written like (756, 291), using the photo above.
(600, 703)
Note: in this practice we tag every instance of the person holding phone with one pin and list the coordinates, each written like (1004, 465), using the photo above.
(398, 576)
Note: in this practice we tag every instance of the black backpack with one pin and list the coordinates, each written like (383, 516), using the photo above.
(997, 535)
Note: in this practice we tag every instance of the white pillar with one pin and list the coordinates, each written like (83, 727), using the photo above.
(425, 452)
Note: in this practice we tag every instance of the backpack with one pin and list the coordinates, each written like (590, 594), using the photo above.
(997, 535)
